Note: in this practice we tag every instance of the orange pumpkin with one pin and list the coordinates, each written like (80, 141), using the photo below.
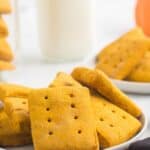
(143, 15)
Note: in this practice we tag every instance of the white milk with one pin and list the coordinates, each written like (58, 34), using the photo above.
(67, 28)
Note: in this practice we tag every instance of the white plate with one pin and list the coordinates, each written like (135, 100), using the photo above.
(133, 87)
(123, 146)
(126, 86)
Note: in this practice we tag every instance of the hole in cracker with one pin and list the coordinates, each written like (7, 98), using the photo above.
(124, 117)
(72, 95)
(52, 86)
(113, 111)
(75, 117)
(49, 120)
(50, 133)
(79, 131)
(111, 125)
(104, 104)
(23, 102)
(68, 84)
(101, 119)
(46, 97)
(73, 105)
(47, 109)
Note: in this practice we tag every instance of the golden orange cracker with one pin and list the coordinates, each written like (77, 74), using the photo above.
(17, 110)
(113, 123)
(66, 117)
(64, 79)
(119, 58)
(9, 136)
(5, 6)
(5, 50)
(141, 73)
(3, 28)
(13, 90)
(97, 80)
(4, 65)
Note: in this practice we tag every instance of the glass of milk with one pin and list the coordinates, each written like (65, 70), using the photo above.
(67, 28)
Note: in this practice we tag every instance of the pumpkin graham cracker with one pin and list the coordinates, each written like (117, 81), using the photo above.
(113, 123)
(13, 90)
(64, 79)
(111, 120)
(141, 72)
(9, 136)
(119, 58)
(17, 110)
(65, 115)
(98, 81)
(3, 28)
(5, 50)
(5, 6)
(4, 65)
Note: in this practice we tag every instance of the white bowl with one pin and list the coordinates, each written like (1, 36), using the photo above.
(132, 87)
(125, 145)
(122, 146)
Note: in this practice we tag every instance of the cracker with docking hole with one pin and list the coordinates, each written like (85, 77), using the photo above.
(3, 28)
(66, 117)
(13, 90)
(113, 123)
(141, 72)
(64, 79)
(111, 120)
(5, 6)
(119, 58)
(6, 53)
(9, 135)
(17, 110)
(97, 80)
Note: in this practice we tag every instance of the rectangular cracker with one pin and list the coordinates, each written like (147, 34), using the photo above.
(13, 90)
(141, 72)
(5, 6)
(9, 135)
(17, 110)
(97, 80)
(5, 50)
(119, 58)
(64, 79)
(113, 123)
(65, 113)
(3, 28)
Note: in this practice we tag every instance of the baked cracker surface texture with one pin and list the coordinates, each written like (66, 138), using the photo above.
(114, 125)
(141, 73)
(5, 6)
(13, 90)
(3, 28)
(98, 81)
(66, 119)
(119, 58)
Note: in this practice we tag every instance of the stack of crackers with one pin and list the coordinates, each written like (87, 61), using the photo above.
(127, 58)
(81, 111)
(6, 55)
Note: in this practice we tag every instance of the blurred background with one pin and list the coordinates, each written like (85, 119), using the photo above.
(113, 19)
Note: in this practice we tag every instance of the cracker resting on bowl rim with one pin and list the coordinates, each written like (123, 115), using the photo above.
(119, 58)
(98, 81)
(141, 73)
(110, 119)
